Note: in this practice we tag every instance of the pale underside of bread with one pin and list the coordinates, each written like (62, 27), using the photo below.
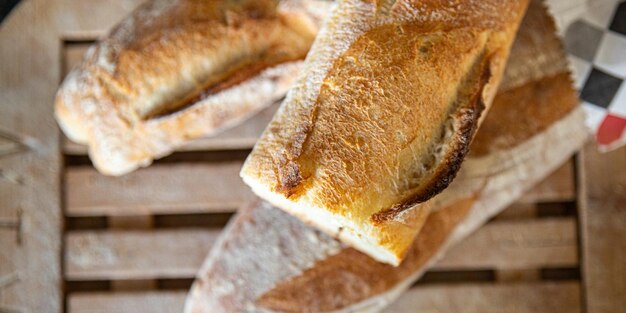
(382, 116)
(177, 70)
(505, 160)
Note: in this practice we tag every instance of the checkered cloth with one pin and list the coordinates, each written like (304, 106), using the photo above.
(596, 44)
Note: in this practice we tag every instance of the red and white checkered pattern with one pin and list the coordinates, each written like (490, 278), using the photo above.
(594, 34)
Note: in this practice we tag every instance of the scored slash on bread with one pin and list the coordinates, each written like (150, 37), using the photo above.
(382, 116)
(177, 70)
(268, 261)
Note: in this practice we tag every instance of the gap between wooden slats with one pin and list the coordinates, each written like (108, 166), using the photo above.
(92, 255)
(536, 297)
(208, 188)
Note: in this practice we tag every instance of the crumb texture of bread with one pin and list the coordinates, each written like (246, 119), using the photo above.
(382, 116)
(177, 70)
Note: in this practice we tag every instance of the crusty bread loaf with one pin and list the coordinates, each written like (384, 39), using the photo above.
(267, 261)
(177, 70)
(382, 116)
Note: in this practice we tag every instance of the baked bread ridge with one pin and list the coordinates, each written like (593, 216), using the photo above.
(343, 152)
(505, 128)
(173, 71)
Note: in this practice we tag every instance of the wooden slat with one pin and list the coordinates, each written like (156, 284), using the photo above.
(517, 245)
(127, 302)
(90, 18)
(144, 222)
(536, 297)
(30, 163)
(558, 187)
(179, 253)
(603, 229)
(201, 188)
(171, 188)
(136, 254)
(605, 173)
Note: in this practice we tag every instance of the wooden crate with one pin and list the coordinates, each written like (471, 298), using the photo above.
(76, 241)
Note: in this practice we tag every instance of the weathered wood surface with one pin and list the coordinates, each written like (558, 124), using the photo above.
(30, 157)
(159, 189)
(128, 302)
(522, 244)
(536, 297)
(533, 297)
(145, 254)
(603, 229)
(92, 255)
(30, 163)
(208, 188)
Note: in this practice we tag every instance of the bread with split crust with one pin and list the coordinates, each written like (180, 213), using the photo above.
(382, 116)
(177, 70)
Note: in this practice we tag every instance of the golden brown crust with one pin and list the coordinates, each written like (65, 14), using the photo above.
(350, 281)
(383, 115)
(236, 34)
(467, 117)
(354, 277)
(177, 70)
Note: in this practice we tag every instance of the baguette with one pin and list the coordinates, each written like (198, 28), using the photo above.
(268, 261)
(382, 116)
(177, 70)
